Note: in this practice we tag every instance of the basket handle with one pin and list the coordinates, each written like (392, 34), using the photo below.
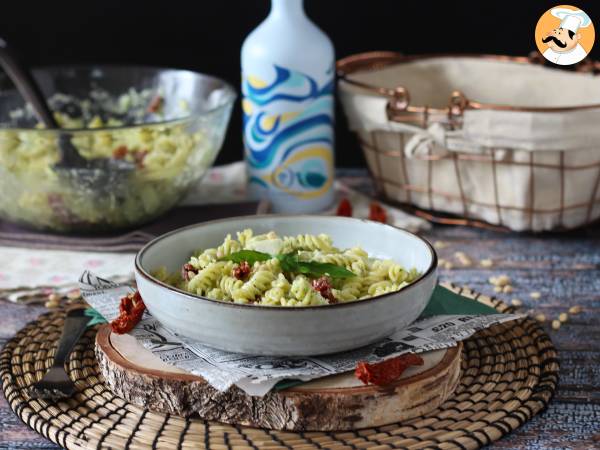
(398, 103)
(587, 65)
(399, 109)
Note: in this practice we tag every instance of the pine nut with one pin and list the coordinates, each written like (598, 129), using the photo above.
(503, 280)
(440, 244)
(563, 317)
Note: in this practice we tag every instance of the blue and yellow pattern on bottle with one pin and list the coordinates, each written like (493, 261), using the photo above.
(288, 139)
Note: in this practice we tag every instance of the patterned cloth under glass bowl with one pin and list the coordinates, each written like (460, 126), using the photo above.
(167, 124)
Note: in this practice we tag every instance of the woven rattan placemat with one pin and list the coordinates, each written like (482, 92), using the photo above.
(509, 374)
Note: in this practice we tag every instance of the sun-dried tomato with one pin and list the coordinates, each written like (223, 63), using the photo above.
(139, 156)
(185, 271)
(344, 208)
(131, 310)
(155, 104)
(387, 371)
(241, 271)
(60, 209)
(120, 152)
(323, 286)
(377, 213)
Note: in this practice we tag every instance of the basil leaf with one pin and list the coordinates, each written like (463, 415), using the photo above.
(250, 256)
(318, 269)
(288, 261)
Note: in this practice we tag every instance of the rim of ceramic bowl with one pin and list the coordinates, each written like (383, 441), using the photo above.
(139, 269)
(228, 101)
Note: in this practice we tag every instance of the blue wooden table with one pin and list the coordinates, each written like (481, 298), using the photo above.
(564, 268)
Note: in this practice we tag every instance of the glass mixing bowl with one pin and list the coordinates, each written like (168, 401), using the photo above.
(167, 126)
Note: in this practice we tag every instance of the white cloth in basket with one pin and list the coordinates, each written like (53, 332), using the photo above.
(546, 165)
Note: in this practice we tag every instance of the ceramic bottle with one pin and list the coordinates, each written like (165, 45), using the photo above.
(288, 80)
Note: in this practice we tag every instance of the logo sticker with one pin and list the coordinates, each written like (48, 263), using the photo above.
(564, 35)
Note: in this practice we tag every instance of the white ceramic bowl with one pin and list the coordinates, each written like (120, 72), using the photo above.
(294, 331)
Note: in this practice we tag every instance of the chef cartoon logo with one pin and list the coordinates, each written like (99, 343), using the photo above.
(564, 35)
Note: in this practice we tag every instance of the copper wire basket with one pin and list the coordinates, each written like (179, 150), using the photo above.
(411, 181)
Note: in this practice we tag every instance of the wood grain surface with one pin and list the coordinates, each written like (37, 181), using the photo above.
(564, 268)
(339, 402)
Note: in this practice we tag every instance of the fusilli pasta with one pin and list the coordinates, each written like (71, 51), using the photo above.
(265, 281)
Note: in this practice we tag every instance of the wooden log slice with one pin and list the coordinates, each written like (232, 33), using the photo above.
(339, 402)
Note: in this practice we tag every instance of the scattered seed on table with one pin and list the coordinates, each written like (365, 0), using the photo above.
(516, 302)
(497, 288)
(51, 304)
(563, 317)
(535, 295)
(463, 259)
(486, 263)
(74, 294)
(555, 324)
(502, 280)
(507, 289)
(540, 318)
(575, 309)
(440, 244)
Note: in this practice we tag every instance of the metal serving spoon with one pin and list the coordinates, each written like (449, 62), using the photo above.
(98, 174)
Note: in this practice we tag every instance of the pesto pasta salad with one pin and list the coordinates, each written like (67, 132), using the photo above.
(164, 157)
(164, 132)
(272, 270)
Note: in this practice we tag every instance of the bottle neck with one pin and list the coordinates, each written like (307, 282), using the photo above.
(287, 8)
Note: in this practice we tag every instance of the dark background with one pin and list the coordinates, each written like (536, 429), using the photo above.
(207, 35)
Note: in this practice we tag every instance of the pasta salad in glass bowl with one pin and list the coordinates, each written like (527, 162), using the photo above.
(166, 125)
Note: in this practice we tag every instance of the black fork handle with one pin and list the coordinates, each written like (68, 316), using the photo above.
(75, 324)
